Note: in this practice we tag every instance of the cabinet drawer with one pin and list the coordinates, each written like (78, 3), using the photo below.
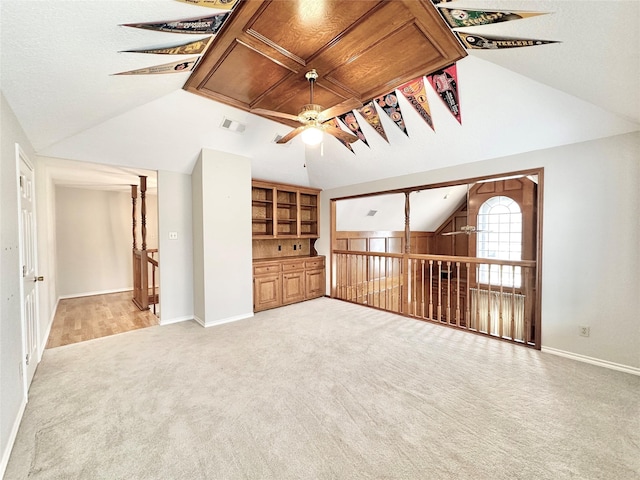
(313, 264)
(264, 269)
(291, 266)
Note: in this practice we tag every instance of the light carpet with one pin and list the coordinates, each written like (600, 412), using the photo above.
(323, 390)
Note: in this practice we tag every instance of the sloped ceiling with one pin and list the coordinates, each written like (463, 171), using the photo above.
(58, 58)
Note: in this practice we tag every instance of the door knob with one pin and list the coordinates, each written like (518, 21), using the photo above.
(38, 279)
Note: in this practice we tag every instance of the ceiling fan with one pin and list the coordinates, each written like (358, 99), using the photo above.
(314, 118)
(466, 229)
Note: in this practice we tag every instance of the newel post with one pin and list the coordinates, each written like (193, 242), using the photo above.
(143, 210)
(134, 196)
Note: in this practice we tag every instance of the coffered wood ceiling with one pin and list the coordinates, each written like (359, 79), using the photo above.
(361, 49)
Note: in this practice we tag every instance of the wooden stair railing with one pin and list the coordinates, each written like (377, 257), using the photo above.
(145, 264)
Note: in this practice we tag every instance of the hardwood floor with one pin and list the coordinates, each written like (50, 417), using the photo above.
(86, 318)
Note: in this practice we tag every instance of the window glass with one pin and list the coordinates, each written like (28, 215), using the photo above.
(499, 236)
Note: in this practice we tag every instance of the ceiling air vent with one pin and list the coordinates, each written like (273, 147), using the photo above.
(232, 125)
(372, 213)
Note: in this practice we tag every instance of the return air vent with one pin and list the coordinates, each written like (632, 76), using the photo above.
(372, 213)
(232, 125)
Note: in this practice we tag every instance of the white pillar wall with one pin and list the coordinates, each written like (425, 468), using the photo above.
(222, 251)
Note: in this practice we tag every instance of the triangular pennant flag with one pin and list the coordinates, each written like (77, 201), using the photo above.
(459, 17)
(334, 124)
(416, 95)
(484, 42)
(219, 4)
(370, 114)
(389, 103)
(349, 119)
(210, 24)
(191, 48)
(175, 67)
(445, 83)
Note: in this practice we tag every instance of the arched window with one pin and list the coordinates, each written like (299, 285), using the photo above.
(499, 237)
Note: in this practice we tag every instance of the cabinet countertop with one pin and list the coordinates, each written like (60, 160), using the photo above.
(287, 259)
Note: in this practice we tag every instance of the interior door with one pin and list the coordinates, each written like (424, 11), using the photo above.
(29, 264)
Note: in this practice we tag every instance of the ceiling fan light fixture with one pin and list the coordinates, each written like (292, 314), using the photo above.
(312, 136)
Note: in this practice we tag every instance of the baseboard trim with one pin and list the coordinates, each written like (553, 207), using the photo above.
(223, 320)
(171, 321)
(45, 339)
(12, 437)
(91, 294)
(593, 361)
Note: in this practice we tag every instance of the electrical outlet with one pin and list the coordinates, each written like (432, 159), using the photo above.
(584, 331)
(173, 235)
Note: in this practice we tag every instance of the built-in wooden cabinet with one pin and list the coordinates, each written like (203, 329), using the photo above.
(285, 224)
(283, 211)
(287, 280)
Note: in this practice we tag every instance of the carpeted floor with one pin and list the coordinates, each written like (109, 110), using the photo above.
(323, 390)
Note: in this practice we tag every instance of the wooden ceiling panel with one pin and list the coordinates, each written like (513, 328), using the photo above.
(363, 74)
(303, 27)
(235, 76)
(360, 48)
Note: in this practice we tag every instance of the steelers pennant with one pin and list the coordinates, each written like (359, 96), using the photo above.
(370, 114)
(351, 122)
(389, 103)
(219, 4)
(445, 83)
(191, 48)
(334, 124)
(416, 94)
(459, 17)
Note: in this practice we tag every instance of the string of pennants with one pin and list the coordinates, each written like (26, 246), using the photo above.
(210, 24)
(444, 81)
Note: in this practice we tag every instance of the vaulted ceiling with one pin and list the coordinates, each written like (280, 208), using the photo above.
(58, 58)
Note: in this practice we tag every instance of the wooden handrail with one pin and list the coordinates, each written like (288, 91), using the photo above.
(443, 258)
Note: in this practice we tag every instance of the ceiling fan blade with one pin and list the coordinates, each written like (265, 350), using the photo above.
(290, 135)
(339, 109)
(340, 134)
(272, 113)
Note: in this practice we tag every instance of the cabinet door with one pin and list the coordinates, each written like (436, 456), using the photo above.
(292, 287)
(315, 281)
(266, 292)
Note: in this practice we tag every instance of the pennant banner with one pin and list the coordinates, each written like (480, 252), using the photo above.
(370, 114)
(485, 42)
(445, 83)
(210, 24)
(350, 121)
(175, 67)
(334, 124)
(415, 92)
(457, 17)
(389, 103)
(191, 48)
(219, 4)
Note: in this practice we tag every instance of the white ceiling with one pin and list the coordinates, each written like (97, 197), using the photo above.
(58, 57)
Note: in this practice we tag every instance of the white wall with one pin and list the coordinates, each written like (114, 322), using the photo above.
(591, 241)
(176, 255)
(94, 240)
(12, 391)
(223, 280)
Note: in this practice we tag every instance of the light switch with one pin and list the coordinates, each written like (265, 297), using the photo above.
(173, 235)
